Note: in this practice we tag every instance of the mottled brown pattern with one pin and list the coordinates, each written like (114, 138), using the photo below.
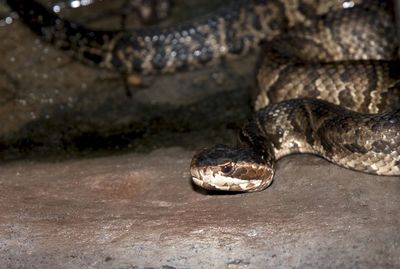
(345, 58)
(234, 30)
(363, 85)
(342, 136)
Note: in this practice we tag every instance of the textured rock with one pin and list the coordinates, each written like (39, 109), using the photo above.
(140, 210)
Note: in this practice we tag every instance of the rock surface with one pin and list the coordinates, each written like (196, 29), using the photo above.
(140, 211)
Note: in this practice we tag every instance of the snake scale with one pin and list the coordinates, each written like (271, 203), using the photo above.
(328, 79)
(235, 29)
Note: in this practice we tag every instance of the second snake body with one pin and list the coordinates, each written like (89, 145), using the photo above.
(236, 28)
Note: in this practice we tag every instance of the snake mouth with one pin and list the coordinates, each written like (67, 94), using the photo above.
(213, 181)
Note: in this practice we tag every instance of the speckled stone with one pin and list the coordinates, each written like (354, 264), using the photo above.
(141, 211)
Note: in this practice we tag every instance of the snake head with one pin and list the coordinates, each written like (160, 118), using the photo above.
(231, 169)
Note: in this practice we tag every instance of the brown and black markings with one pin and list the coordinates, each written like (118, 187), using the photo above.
(235, 29)
(367, 83)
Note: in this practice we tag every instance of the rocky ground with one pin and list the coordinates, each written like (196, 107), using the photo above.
(91, 178)
(139, 210)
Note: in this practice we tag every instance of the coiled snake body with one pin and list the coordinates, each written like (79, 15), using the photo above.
(325, 53)
(344, 58)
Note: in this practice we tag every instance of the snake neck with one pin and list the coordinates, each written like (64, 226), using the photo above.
(288, 127)
(252, 136)
(359, 141)
(282, 129)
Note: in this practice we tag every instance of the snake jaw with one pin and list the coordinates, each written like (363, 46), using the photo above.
(209, 180)
(214, 181)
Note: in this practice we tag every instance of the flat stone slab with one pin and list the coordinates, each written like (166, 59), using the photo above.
(141, 211)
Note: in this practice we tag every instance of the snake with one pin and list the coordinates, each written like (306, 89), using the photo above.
(235, 29)
(330, 89)
(328, 79)
(149, 11)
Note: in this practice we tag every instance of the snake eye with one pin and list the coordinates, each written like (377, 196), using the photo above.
(226, 168)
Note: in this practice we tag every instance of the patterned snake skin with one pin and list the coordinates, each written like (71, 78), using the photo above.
(151, 11)
(346, 57)
(235, 29)
(324, 53)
